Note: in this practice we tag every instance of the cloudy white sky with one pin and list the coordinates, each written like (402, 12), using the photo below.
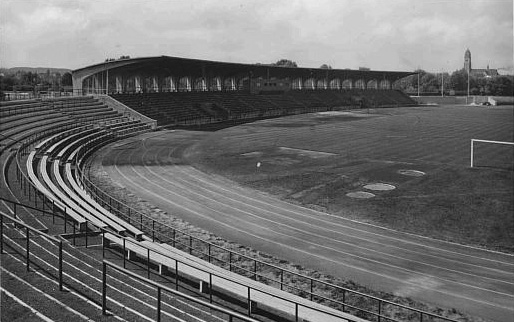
(380, 34)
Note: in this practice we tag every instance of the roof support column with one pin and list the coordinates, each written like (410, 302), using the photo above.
(137, 84)
(173, 85)
(218, 83)
(119, 85)
(155, 84)
(95, 83)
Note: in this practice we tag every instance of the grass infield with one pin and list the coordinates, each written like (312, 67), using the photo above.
(316, 159)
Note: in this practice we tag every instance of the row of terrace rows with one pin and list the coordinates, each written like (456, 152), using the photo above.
(34, 293)
(183, 108)
(43, 166)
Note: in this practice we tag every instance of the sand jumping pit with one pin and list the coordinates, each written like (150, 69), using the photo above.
(344, 113)
(306, 153)
(252, 154)
(360, 195)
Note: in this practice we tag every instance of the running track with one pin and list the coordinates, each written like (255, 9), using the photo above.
(472, 280)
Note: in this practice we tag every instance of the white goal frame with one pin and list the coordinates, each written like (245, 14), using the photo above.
(485, 141)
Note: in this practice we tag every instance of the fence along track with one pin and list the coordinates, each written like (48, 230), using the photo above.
(78, 271)
(185, 241)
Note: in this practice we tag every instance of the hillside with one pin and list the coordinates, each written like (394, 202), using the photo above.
(38, 70)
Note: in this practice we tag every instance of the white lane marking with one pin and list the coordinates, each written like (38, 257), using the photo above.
(182, 187)
(399, 280)
(316, 226)
(314, 234)
(263, 228)
(360, 223)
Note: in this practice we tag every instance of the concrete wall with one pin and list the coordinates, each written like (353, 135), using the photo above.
(125, 110)
(501, 100)
(450, 100)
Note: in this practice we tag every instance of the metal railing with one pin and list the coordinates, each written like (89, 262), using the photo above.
(213, 276)
(41, 202)
(4, 218)
(32, 94)
(231, 315)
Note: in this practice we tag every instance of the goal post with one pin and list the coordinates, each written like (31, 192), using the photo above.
(484, 141)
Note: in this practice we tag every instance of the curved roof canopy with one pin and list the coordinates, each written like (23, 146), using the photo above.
(167, 65)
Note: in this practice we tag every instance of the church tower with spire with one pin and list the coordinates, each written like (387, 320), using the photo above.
(477, 72)
(467, 61)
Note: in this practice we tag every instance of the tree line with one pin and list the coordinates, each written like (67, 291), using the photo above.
(28, 81)
(456, 83)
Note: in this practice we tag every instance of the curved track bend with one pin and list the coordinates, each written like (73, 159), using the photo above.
(472, 280)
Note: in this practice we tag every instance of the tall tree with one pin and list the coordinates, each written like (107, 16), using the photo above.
(66, 79)
(459, 81)
(285, 63)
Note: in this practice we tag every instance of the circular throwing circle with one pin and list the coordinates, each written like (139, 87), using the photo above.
(379, 186)
(360, 195)
(412, 173)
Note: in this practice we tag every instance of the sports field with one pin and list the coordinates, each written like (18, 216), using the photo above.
(315, 160)
(211, 180)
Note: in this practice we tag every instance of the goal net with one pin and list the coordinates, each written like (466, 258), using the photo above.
(492, 154)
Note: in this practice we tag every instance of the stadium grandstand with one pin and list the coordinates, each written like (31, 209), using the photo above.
(59, 232)
(180, 91)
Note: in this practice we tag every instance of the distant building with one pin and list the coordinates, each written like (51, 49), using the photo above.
(477, 72)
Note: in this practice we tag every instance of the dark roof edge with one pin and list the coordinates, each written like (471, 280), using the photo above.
(139, 59)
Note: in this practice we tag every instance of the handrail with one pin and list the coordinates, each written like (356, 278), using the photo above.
(106, 264)
(21, 223)
(211, 274)
(32, 230)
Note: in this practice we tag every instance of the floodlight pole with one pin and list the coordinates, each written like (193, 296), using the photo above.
(468, 89)
(442, 84)
(418, 83)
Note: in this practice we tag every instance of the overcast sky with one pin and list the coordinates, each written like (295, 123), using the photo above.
(380, 34)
